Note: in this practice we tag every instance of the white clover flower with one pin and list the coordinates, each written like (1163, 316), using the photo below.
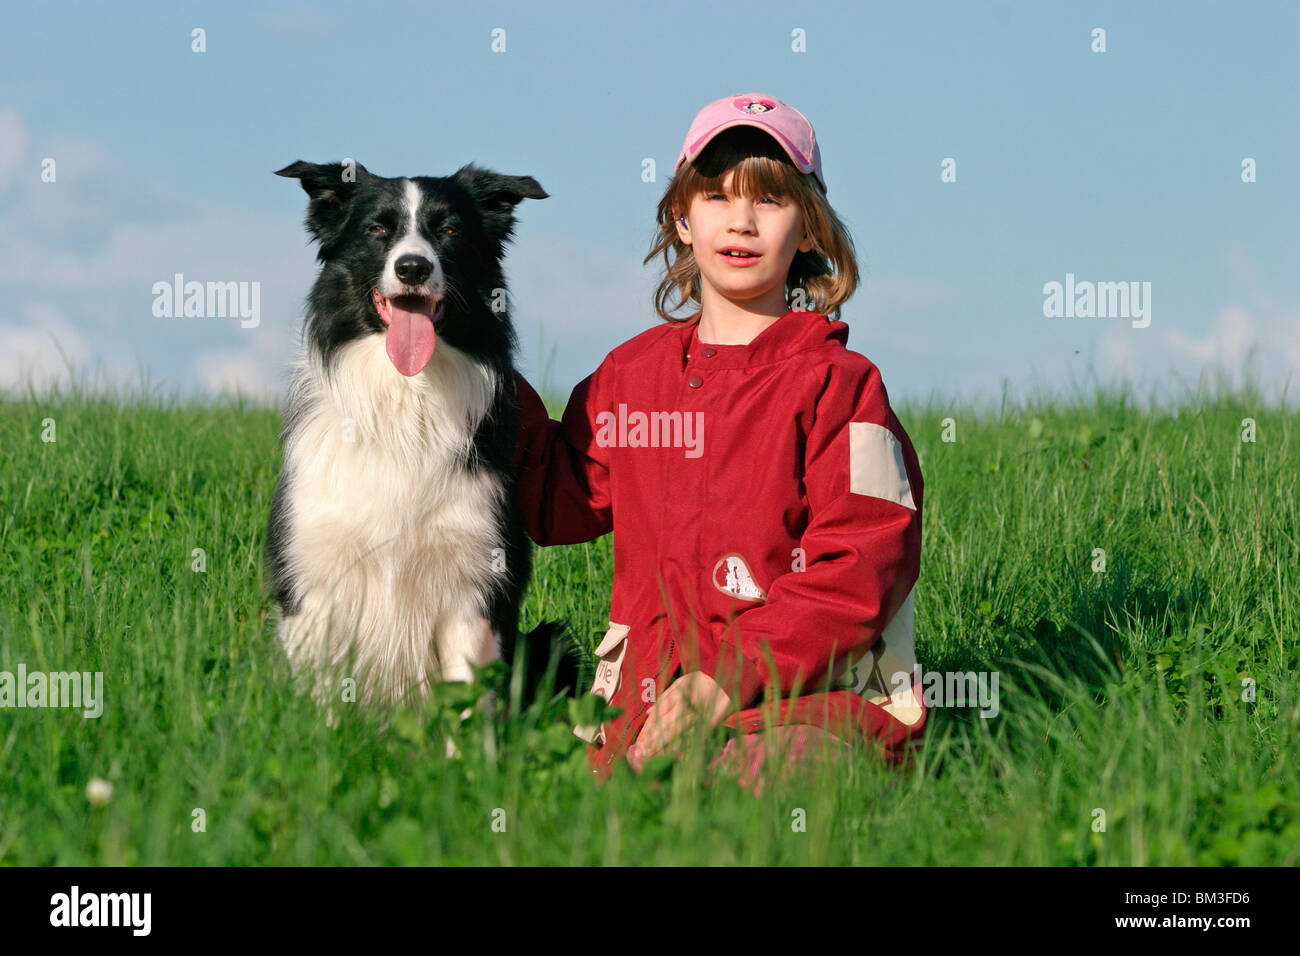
(99, 791)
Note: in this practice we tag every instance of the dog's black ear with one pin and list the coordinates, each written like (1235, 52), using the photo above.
(497, 195)
(495, 189)
(329, 187)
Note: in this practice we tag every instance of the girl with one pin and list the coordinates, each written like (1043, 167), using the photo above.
(765, 502)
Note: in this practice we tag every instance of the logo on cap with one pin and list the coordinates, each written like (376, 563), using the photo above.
(753, 106)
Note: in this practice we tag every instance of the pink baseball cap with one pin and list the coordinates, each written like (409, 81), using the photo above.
(784, 123)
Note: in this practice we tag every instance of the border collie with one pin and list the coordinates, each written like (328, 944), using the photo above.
(395, 547)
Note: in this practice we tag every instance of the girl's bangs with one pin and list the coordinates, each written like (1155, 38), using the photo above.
(754, 176)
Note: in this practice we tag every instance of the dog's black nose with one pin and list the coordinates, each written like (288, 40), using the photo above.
(413, 269)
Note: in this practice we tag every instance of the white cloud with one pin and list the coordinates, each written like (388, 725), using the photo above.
(1231, 338)
(1117, 348)
(222, 245)
(88, 247)
(42, 350)
(1288, 329)
(230, 372)
(1259, 346)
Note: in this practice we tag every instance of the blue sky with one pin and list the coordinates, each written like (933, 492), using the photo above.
(1122, 166)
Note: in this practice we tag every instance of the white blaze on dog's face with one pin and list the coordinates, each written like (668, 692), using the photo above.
(410, 291)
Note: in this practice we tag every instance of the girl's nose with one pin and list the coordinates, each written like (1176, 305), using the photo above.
(742, 215)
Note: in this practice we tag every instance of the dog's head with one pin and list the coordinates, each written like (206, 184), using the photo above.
(413, 259)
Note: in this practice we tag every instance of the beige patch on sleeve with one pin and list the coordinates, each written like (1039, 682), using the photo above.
(876, 465)
(611, 651)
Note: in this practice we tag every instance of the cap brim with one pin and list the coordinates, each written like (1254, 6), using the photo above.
(804, 166)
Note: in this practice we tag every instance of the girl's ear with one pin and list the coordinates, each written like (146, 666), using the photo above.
(683, 231)
(806, 243)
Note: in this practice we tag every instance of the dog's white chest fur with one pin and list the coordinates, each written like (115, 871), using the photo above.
(392, 540)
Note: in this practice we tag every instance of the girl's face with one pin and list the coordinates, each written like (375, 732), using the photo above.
(769, 228)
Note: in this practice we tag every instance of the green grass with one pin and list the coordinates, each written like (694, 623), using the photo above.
(1120, 692)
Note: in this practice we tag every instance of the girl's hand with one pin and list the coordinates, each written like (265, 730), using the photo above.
(692, 696)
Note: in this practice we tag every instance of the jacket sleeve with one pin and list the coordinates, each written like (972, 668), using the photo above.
(563, 472)
(861, 547)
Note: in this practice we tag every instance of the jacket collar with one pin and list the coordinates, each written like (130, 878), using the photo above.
(796, 331)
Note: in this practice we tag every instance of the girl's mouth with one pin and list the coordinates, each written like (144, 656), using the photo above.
(735, 257)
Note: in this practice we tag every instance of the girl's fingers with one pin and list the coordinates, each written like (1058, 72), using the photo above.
(652, 735)
(648, 738)
(659, 728)
(667, 718)
(634, 758)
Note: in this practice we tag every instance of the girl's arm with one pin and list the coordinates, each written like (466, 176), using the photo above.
(862, 545)
(563, 473)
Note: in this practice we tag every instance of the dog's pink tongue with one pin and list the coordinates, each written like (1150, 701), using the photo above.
(410, 340)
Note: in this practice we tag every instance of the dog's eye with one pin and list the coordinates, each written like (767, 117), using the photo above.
(376, 229)
(448, 230)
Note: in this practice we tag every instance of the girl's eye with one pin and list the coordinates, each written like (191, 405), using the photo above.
(771, 199)
(376, 229)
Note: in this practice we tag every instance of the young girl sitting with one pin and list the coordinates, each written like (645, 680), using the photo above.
(764, 499)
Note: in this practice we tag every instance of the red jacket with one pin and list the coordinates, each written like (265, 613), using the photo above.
(766, 510)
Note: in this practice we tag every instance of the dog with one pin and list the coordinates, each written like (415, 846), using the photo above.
(395, 548)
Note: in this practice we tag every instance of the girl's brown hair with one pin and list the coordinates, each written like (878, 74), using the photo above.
(827, 274)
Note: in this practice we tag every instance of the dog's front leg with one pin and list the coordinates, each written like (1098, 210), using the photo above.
(468, 640)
